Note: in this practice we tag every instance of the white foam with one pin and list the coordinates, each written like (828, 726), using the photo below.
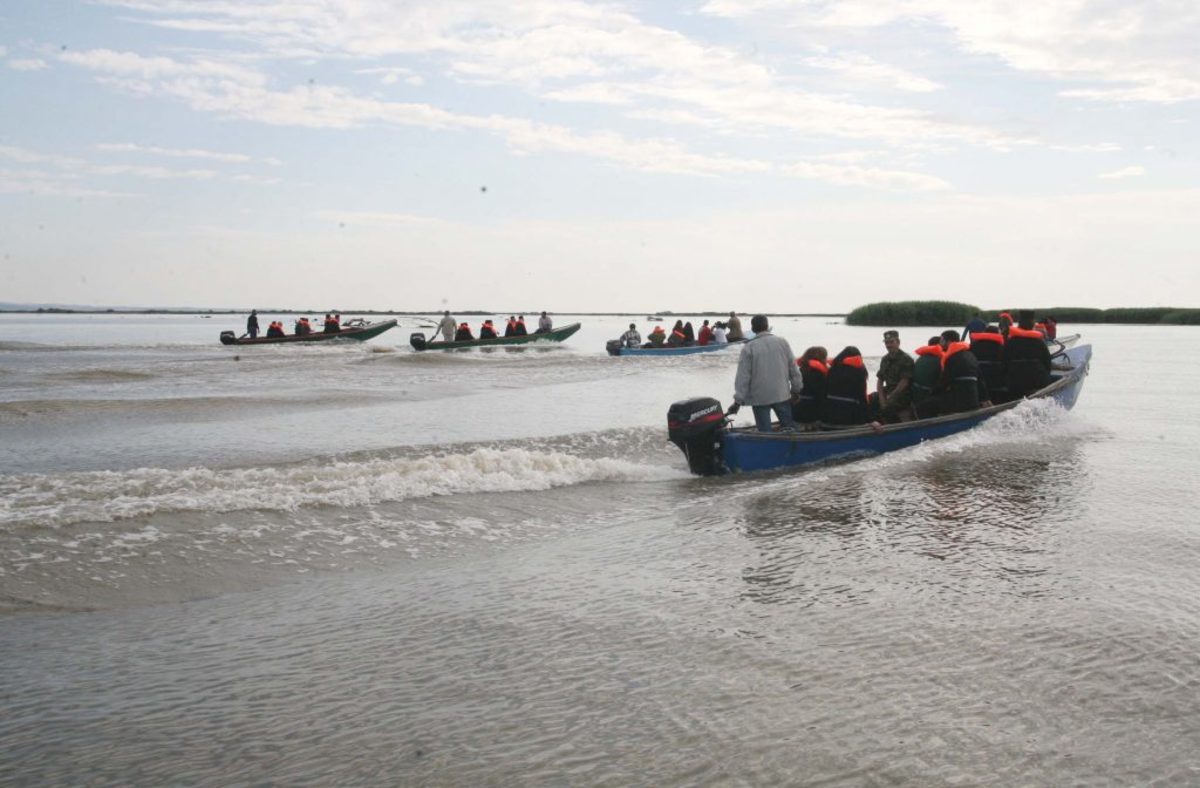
(105, 496)
(1030, 421)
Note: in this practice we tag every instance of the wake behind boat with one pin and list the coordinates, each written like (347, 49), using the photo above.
(419, 342)
(700, 429)
(357, 330)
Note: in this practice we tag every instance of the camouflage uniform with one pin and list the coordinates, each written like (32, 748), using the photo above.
(893, 368)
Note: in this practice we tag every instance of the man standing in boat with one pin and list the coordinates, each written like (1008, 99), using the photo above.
(767, 377)
(733, 328)
(252, 324)
(447, 326)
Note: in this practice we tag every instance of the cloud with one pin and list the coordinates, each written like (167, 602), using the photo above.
(184, 153)
(27, 64)
(866, 69)
(1126, 172)
(564, 51)
(1141, 51)
(332, 107)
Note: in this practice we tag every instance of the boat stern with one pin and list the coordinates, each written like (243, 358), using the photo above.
(696, 426)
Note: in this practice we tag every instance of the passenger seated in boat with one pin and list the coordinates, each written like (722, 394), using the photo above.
(520, 330)
(706, 334)
(689, 334)
(988, 347)
(331, 325)
(1004, 321)
(275, 329)
(926, 372)
(963, 388)
(463, 333)
(846, 390)
(510, 328)
(656, 338)
(720, 334)
(631, 338)
(544, 324)
(302, 327)
(487, 330)
(892, 400)
(677, 337)
(1026, 358)
(806, 408)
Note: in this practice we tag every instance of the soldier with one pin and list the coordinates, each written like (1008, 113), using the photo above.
(892, 400)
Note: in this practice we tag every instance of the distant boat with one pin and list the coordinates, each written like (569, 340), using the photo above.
(615, 348)
(700, 429)
(358, 330)
(419, 342)
(654, 317)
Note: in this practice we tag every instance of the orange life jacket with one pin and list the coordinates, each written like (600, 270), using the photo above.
(931, 350)
(852, 361)
(678, 334)
(816, 364)
(1025, 333)
(955, 347)
(977, 337)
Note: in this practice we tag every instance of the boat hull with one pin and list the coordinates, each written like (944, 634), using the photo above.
(359, 334)
(418, 341)
(672, 351)
(746, 450)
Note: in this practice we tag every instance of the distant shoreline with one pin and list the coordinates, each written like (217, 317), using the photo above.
(414, 313)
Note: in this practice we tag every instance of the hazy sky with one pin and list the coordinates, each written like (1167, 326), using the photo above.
(796, 156)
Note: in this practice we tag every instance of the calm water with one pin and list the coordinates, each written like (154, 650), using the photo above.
(361, 564)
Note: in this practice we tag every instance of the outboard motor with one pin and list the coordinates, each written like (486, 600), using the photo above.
(613, 346)
(417, 340)
(696, 426)
(228, 337)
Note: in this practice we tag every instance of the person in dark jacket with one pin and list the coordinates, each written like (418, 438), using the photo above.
(689, 334)
(463, 333)
(510, 328)
(488, 331)
(846, 390)
(988, 347)
(519, 329)
(677, 338)
(815, 373)
(252, 324)
(963, 389)
(927, 371)
(1026, 358)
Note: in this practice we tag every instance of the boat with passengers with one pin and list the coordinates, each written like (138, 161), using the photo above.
(703, 432)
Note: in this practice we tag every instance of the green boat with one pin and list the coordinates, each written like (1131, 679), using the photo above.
(356, 329)
(418, 341)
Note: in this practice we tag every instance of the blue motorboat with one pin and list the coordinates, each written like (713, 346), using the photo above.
(615, 348)
(700, 428)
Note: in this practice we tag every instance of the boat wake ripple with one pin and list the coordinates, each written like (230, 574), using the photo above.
(56, 500)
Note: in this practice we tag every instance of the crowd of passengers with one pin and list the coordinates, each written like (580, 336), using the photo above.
(684, 335)
(952, 373)
(515, 327)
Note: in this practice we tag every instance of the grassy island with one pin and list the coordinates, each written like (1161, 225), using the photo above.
(955, 314)
(912, 313)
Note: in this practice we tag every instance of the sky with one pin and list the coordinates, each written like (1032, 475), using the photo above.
(758, 155)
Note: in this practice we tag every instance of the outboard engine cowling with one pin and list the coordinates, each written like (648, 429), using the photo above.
(696, 426)
(228, 338)
(417, 340)
(613, 346)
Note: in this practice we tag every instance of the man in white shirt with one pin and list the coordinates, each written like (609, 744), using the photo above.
(767, 376)
(447, 326)
(544, 323)
(719, 337)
